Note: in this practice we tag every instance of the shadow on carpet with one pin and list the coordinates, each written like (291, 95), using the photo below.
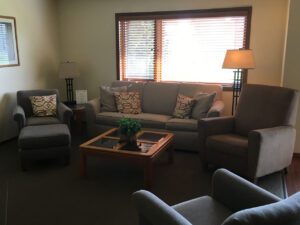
(50, 193)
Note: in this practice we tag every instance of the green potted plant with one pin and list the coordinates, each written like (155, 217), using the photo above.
(128, 129)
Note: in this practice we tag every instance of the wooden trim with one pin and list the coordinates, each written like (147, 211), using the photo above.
(117, 47)
(197, 13)
(296, 155)
(158, 50)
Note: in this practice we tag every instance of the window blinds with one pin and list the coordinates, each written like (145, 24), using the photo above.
(194, 49)
(4, 57)
(137, 47)
(180, 47)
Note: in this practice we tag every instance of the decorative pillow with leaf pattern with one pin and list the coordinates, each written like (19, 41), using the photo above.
(184, 106)
(43, 105)
(128, 102)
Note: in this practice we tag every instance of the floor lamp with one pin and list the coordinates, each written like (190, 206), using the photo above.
(240, 60)
(69, 71)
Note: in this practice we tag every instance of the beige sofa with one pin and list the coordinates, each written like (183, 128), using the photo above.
(158, 100)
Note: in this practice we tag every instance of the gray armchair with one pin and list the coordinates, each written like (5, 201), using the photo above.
(42, 137)
(259, 139)
(233, 201)
(23, 114)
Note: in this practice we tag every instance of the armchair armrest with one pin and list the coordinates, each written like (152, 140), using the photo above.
(92, 108)
(237, 193)
(277, 142)
(64, 113)
(19, 116)
(216, 109)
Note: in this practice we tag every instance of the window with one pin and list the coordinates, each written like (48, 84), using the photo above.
(8, 43)
(180, 46)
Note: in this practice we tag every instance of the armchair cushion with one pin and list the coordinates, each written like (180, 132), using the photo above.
(203, 211)
(283, 212)
(229, 144)
(34, 121)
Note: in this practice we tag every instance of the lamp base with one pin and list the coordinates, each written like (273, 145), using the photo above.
(70, 103)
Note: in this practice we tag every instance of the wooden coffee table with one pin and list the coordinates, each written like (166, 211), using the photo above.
(151, 144)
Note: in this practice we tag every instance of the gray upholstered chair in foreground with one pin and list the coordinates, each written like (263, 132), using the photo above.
(233, 201)
(259, 139)
(42, 137)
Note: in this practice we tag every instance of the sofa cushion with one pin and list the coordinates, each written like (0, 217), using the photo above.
(177, 124)
(203, 211)
(286, 212)
(228, 144)
(107, 98)
(202, 105)
(147, 120)
(184, 106)
(128, 102)
(191, 89)
(44, 136)
(33, 121)
(159, 97)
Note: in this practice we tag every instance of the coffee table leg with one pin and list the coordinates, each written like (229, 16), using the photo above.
(148, 174)
(82, 164)
(171, 154)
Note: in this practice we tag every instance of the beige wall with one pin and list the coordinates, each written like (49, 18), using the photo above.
(87, 34)
(38, 51)
(292, 64)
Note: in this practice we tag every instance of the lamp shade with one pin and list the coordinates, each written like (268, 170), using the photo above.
(68, 70)
(239, 59)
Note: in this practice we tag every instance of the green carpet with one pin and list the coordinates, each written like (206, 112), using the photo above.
(50, 193)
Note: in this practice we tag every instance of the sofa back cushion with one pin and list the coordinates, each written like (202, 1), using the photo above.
(262, 106)
(191, 89)
(159, 97)
(24, 101)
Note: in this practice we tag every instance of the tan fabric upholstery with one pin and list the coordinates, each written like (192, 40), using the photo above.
(160, 98)
(228, 144)
(146, 119)
(182, 124)
(259, 139)
(262, 106)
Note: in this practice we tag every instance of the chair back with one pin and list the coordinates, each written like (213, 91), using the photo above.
(154, 211)
(262, 106)
(24, 101)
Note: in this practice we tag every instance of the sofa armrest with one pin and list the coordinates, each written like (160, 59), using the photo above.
(216, 109)
(92, 108)
(277, 142)
(19, 116)
(64, 113)
(237, 193)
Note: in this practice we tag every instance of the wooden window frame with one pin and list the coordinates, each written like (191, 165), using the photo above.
(181, 14)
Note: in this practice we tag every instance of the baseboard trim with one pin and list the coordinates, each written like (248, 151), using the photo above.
(296, 155)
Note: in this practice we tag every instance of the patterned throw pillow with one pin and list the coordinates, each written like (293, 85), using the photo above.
(43, 105)
(184, 106)
(128, 102)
